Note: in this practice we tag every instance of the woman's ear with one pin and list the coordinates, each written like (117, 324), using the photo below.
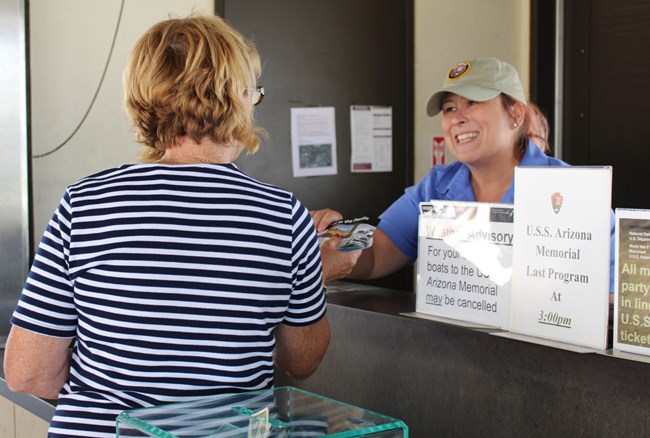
(518, 113)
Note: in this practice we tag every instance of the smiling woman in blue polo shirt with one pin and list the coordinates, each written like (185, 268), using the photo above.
(490, 128)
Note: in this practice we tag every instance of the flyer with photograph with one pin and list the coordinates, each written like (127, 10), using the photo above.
(464, 265)
(313, 141)
(355, 234)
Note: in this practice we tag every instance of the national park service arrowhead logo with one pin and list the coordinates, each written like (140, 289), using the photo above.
(556, 201)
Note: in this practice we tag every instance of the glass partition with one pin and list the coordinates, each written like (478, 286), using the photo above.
(273, 413)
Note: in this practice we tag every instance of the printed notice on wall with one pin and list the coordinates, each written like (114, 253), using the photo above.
(313, 141)
(465, 261)
(561, 258)
(371, 138)
(632, 286)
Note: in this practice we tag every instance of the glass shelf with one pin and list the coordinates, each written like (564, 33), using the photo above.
(272, 413)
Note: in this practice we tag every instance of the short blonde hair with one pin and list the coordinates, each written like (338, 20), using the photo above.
(186, 77)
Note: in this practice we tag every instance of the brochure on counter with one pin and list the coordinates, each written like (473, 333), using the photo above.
(355, 234)
(464, 264)
(632, 282)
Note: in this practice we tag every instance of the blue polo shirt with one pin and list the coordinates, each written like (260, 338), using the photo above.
(452, 182)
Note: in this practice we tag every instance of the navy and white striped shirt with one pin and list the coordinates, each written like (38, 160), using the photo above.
(170, 279)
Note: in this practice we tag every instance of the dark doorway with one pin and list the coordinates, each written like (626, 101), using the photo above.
(606, 111)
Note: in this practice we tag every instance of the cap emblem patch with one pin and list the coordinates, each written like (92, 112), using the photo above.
(459, 70)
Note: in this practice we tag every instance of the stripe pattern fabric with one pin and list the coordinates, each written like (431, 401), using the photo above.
(169, 280)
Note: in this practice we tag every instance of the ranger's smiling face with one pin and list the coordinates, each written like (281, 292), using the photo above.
(477, 133)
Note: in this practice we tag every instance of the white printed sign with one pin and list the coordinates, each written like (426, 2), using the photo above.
(371, 130)
(465, 261)
(561, 260)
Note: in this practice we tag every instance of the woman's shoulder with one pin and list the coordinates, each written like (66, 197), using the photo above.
(262, 184)
(201, 173)
(438, 182)
(534, 156)
(442, 173)
(101, 175)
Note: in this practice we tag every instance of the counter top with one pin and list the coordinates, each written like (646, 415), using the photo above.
(459, 381)
(448, 380)
(370, 298)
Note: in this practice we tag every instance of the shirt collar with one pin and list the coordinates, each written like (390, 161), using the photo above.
(460, 186)
(533, 156)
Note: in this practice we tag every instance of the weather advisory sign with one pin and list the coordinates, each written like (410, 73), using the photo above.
(632, 300)
(465, 261)
(561, 259)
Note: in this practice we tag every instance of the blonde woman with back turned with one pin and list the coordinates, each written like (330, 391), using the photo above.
(181, 277)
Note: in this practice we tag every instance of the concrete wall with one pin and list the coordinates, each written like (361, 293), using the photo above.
(70, 43)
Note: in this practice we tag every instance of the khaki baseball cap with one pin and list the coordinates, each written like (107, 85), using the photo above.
(479, 80)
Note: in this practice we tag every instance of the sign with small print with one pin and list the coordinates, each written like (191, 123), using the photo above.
(465, 261)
